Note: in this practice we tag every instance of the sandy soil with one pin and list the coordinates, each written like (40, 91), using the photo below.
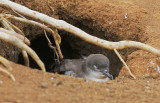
(30, 88)
(142, 24)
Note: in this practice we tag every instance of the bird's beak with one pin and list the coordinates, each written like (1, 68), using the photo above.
(106, 73)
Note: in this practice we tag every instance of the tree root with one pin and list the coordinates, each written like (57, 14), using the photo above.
(119, 56)
(54, 33)
(8, 73)
(62, 25)
(13, 40)
(5, 62)
(9, 26)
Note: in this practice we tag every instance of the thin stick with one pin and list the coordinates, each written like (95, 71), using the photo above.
(8, 73)
(50, 6)
(57, 42)
(119, 56)
(5, 62)
(62, 25)
(52, 47)
(13, 40)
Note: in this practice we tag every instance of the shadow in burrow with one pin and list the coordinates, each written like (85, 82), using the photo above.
(46, 54)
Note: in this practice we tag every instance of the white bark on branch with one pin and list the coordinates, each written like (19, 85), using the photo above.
(62, 25)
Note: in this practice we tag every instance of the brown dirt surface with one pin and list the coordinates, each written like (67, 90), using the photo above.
(31, 87)
(112, 20)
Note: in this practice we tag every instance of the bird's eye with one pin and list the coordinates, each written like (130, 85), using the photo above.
(95, 67)
(105, 70)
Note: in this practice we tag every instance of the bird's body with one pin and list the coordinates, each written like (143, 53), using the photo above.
(95, 67)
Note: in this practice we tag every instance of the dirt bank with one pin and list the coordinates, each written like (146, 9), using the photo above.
(136, 20)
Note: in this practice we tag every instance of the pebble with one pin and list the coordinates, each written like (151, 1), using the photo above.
(44, 85)
(1, 82)
(154, 75)
(147, 75)
(52, 78)
(107, 90)
(57, 83)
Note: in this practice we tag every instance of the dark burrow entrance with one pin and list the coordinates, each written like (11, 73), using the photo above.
(46, 54)
(73, 47)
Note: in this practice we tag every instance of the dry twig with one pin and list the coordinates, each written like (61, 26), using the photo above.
(52, 47)
(50, 6)
(57, 42)
(119, 56)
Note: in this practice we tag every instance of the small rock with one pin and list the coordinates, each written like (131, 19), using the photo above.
(44, 85)
(57, 83)
(107, 89)
(52, 78)
(18, 101)
(154, 75)
(147, 75)
(1, 82)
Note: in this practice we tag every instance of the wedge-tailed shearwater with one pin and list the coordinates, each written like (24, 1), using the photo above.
(95, 67)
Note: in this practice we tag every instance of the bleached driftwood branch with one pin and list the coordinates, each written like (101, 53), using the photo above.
(62, 25)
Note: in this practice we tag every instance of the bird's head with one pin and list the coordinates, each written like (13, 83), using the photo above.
(96, 67)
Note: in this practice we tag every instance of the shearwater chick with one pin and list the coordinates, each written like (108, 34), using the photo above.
(95, 67)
